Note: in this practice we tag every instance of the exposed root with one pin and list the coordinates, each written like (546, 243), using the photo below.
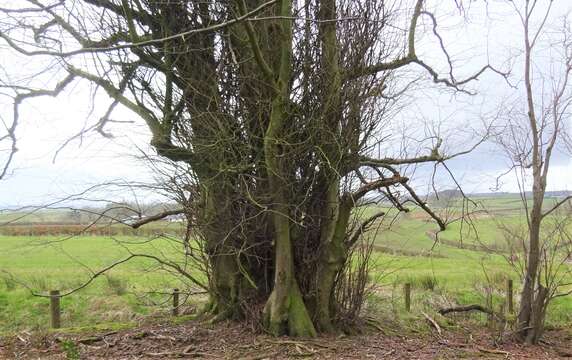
(290, 318)
(213, 312)
(221, 316)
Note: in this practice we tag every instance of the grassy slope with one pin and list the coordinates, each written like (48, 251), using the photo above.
(459, 275)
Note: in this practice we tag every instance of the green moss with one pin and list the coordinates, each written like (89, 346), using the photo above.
(299, 322)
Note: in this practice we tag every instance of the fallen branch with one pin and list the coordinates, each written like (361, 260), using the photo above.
(474, 307)
(493, 351)
(375, 324)
(300, 351)
(453, 344)
(94, 339)
(433, 323)
(269, 355)
(181, 354)
(163, 337)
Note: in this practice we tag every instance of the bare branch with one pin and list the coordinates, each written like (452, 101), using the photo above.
(139, 44)
(374, 185)
(557, 205)
(363, 227)
(156, 217)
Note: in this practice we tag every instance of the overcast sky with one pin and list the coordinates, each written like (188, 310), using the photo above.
(46, 123)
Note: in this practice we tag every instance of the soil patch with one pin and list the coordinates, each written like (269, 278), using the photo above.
(231, 340)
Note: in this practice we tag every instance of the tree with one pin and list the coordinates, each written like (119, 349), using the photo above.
(535, 129)
(275, 106)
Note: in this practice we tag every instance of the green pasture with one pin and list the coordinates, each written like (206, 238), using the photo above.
(449, 271)
(442, 273)
(124, 294)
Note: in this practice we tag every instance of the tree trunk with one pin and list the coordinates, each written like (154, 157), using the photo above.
(332, 257)
(528, 322)
(528, 290)
(224, 272)
(285, 312)
(537, 316)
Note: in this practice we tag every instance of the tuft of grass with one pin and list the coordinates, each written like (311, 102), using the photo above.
(9, 283)
(428, 282)
(40, 283)
(71, 349)
(497, 279)
(117, 285)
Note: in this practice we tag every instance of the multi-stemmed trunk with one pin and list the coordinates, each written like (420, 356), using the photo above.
(274, 117)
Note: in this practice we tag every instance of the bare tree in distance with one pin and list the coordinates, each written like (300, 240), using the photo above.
(535, 129)
(279, 109)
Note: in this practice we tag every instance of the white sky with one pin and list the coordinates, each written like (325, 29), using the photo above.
(47, 122)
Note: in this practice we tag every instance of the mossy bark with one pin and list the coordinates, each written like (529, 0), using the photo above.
(285, 311)
(224, 274)
(332, 256)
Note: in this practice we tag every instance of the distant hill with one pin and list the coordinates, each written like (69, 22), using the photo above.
(444, 197)
(554, 194)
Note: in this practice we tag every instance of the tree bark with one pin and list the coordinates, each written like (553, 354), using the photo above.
(285, 311)
(224, 275)
(332, 257)
(529, 325)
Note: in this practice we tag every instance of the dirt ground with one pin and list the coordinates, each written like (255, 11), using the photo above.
(231, 340)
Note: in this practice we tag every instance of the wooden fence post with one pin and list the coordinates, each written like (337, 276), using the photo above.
(175, 302)
(510, 300)
(55, 309)
(490, 317)
(407, 290)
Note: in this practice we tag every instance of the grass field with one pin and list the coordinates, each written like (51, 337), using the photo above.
(46, 263)
(441, 274)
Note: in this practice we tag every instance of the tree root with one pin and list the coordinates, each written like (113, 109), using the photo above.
(221, 316)
(93, 339)
(212, 313)
(290, 318)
